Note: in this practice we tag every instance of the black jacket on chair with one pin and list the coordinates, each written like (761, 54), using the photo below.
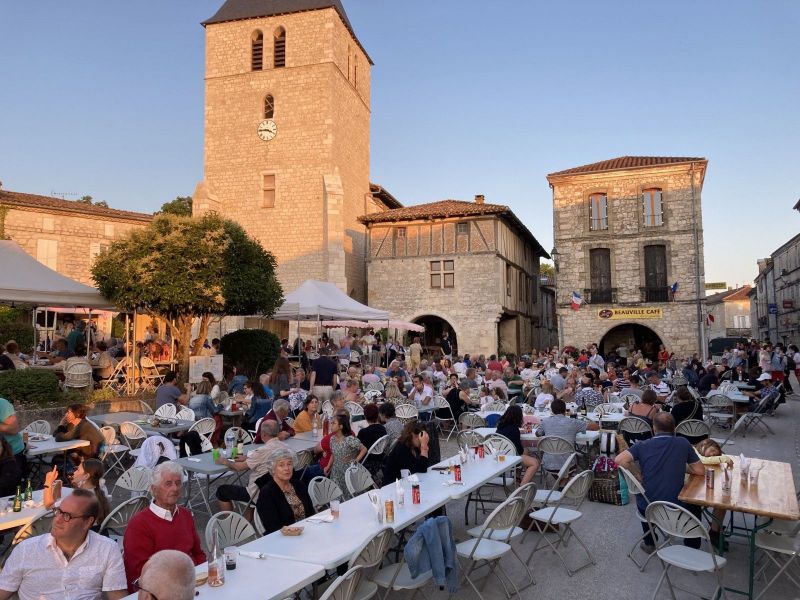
(273, 509)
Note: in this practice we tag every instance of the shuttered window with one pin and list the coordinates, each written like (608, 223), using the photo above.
(600, 273)
(257, 51)
(598, 212)
(267, 191)
(280, 48)
(47, 253)
(652, 210)
(655, 267)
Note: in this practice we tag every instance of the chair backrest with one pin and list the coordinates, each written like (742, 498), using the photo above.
(635, 425)
(303, 459)
(441, 402)
(136, 479)
(469, 438)
(379, 447)
(204, 426)
(528, 409)
(78, 375)
(495, 406)
(607, 408)
(131, 432)
(242, 435)
(470, 420)
(118, 519)
(358, 479)
(376, 386)
(406, 412)
(527, 492)
(551, 444)
(675, 521)
(327, 408)
(344, 587)
(40, 525)
(232, 528)
(373, 551)
(628, 398)
(167, 411)
(561, 475)
(145, 407)
(185, 414)
(109, 435)
(354, 408)
(577, 489)
(634, 485)
(500, 444)
(322, 490)
(718, 401)
(40, 426)
(693, 428)
(506, 516)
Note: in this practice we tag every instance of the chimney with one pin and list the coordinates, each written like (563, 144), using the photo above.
(479, 199)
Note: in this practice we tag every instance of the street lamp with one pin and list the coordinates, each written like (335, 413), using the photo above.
(554, 254)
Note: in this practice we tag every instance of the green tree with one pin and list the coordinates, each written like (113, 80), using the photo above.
(181, 206)
(181, 269)
(546, 269)
(90, 200)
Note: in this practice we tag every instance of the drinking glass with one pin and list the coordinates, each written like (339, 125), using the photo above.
(335, 509)
(754, 471)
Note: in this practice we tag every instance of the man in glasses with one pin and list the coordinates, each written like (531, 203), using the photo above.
(168, 575)
(69, 562)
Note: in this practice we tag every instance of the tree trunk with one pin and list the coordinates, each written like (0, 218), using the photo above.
(202, 334)
(182, 351)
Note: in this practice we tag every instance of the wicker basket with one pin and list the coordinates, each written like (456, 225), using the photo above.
(605, 488)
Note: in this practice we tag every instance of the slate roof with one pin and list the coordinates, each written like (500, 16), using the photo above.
(9, 198)
(444, 209)
(627, 162)
(238, 10)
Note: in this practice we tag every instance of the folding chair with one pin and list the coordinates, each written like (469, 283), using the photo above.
(185, 414)
(678, 523)
(136, 480)
(544, 497)
(378, 448)
(546, 518)
(719, 410)
(117, 520)
(358, 480)
(355, 409)
(133, 436)
(149, 377)
(167, 411)
(555, 446)
(322, 490)
(440, 404)
(636, 489)
(233, 529)
(470, 420)
(113, 450)
(344, 587)
(145, 408)
(780, 551)
(117, 380)
(242, 435)
(636, 428)
(406, 413)
(495, 444)
(693, 428)
(469, 438)
(39, 426)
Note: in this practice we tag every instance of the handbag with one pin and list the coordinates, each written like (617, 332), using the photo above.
(607, 487)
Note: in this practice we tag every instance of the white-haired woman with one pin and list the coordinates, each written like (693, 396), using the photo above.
(282, 501)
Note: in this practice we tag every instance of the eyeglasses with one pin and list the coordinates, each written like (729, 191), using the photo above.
(137, 587)
(67, 517)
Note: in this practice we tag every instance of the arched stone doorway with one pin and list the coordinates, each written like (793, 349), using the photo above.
(631, 335)
(431, 338)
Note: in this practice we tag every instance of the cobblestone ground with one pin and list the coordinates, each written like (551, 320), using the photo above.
(609, 532)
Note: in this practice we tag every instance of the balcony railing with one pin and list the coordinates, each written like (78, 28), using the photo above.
(600, 296)
(656, 294)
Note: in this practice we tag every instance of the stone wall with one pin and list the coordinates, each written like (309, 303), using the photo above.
(322, 116)
(78, 237)
(626, 238)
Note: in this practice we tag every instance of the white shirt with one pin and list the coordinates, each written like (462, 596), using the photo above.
(543, 399)
(426, 392)
(162, 513)
(37, 569)
(596, 361)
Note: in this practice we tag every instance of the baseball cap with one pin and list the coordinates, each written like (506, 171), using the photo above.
(764, 377)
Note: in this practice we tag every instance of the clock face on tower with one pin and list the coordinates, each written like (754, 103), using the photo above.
(267, 130)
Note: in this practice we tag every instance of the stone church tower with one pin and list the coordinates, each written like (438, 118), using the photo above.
(287, 115)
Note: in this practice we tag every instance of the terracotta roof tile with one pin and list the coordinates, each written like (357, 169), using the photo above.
(729, 295)
(627, 162)
(9, 198)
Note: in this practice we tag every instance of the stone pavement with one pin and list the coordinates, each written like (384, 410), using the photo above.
(610, 531)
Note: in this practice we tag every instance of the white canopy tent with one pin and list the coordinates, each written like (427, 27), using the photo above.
(322, 300)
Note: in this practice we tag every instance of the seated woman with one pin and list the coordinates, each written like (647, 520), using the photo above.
(410, 452)
(508, 426)
(10, 472)
(345, 448)
(545, 397)
(283, 501)
(88, 476)
(457, 397)
(392, 393)
(305, 418)
(645, 409)
(371, 434)
(201, 403)
(74, 426)
(260, 404)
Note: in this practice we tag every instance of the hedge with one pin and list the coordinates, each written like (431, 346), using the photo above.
(22, 333)
(254, 350)
(30, 386)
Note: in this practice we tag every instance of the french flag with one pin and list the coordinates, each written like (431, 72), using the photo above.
(577, 300)
(674, 288)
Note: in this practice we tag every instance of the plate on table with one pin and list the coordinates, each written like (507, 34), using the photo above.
(39, 437)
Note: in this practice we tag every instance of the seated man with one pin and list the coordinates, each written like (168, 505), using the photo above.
(257, 463)
(162, 526)
(61, 352)
(663, 461)
(421, 396)
(103, 364)
(768, 391)
(169, 392)
(279, 413)
(560, 425)
(12, 352)
(69, 562)
(659, 387)
(587, 397)
(168, 575)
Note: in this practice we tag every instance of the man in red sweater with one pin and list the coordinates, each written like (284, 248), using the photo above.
(162, 526)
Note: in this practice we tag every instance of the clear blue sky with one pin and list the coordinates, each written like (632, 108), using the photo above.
(106, 98)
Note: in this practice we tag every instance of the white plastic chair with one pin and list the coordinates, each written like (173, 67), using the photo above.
(205, 427)
(149, 377)
(133, 435)
(242, 435)
(780, 551)
(355, 409)
(233, 529)
(441, 404)
(495, 406)
(545, 497)
(693, 428)
(556, 446)
(677, 522)
(378, 448)
(470, 420)
(358, 480)
(185, 414)
(607, 408)
(370, 556)
(327, 408)
(78, 375)
(117, 520)
(117, 380)
(406, 413)
(167, 411)
(40, 525)
(145, 408)
(322, 490)
(575, 492)
(469, 438)
(376, 386)
(112, 449)
(635, 426)
(484, 550)
(39, 426)
(719, 409)
(344, 587)
(136, 480)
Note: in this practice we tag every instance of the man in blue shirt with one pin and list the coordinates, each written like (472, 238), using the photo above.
(663, 461)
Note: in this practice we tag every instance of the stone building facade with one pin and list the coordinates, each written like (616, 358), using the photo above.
(63, 234)
(625, 231)
(469, 268)
(287, 134)
(731, 313)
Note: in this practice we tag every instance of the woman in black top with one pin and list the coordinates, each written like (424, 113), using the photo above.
(371, 434)
(410, 452)
(283, 501)
(508, 426)
(686, 408)
(454, 394)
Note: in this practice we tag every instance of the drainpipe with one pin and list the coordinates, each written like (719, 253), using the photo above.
(559, 320)
(701, 334)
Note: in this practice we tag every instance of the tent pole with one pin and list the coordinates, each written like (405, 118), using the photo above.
(127, 351)
(35, 336)
(46, 330)
(89, 334)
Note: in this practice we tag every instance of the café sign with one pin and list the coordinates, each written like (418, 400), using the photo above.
(643, 312)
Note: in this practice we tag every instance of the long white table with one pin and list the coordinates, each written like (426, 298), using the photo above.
(143, 421)
(332, 544)
(12, 520)
(51, 446)
(584, 438)
(270, 578)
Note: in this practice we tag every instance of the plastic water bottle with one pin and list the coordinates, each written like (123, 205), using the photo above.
(315, 426)
(230, 440)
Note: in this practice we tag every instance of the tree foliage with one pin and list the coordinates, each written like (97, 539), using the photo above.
(90, 200)
(546, 269)
(180, 268)
(181, 207)
(253, 350)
